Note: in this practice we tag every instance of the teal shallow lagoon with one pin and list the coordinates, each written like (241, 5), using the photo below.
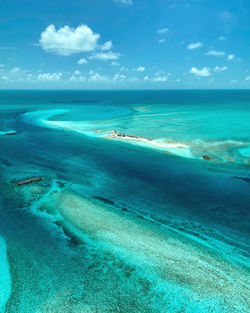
(172, 232)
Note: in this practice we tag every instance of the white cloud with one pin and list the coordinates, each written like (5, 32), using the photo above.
(107, 45)
(15, 70)
(94, 77)
(218, 69)
(139, 69)
(194, 45)
(215, 53)
(49, 76)
(247, 78)
(77, 72)
(4, 77)
(104, 56)
(119, 77)
(146, 77)
(162, 31)
(161, 40)
(68, 40)
(1, 65)
(205, 71)
(77, 78)
(82, 61)
(126, 2)
(115, 63)
(230, 57)
(160, 76)
(222, 38)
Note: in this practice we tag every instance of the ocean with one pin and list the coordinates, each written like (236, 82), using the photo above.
(143, 202)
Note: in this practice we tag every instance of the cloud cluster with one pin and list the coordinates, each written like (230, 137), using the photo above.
(204, 72)
(160, 76)
(49, 76)
(68, 40)
(139, 69)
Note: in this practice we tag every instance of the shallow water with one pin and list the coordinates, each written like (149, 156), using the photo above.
(199, 206)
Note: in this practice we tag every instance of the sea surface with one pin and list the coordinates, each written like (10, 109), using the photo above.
(156, 219)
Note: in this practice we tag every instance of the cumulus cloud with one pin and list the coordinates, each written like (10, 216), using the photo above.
(194, 45)
(49, 76)
(68, 40)
(162, 31)
(161, 40)
(1, 65)
(230, 57)
(104, 56)
(247, 78)
(205, 71)
(215, 53)
(218, 69)
(222, 38)
(139, 69)
(82, 61)
(126, 2)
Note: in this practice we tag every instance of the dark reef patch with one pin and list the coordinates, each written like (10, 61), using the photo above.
(104, 200)
(246, 179)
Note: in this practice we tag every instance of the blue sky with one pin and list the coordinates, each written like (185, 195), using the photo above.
(124, 44)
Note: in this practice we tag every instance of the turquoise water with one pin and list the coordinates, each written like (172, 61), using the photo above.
(122, 225)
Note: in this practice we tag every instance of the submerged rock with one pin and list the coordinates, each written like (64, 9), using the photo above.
(11, 133)
(28, 181)
(206, 157)
(8, 133)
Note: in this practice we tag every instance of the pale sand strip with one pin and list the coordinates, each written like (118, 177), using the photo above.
(169, 255)
(177, 148)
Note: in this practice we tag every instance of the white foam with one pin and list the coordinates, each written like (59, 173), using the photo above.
(5, 278)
